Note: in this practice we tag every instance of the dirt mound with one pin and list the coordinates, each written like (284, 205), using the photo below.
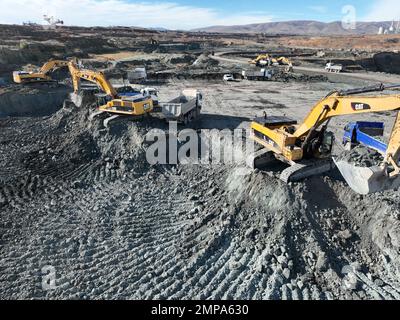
(204, 62)
(282, 76)
(84, 201)
(387, 62)
(35, 100)
(180, 59)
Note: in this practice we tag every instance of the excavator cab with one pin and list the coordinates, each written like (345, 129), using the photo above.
(326, 145)
(102, 99)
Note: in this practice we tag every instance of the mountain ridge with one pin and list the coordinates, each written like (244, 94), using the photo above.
(299, 27)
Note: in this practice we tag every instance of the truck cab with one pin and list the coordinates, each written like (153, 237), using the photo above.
(336, 68)
(150, 92)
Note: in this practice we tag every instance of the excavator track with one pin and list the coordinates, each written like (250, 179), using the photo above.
(300, 171)
(260, 159)
(296, 172)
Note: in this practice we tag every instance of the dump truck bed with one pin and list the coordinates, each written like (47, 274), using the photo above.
(180, 106)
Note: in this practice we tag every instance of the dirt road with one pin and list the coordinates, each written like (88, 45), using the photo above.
(368, 76)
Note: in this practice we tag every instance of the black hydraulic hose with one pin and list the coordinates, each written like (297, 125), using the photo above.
(374, 88)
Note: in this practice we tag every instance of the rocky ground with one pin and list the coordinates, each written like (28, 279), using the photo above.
(85, 201)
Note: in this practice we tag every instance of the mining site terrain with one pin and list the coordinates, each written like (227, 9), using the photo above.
(84, 200)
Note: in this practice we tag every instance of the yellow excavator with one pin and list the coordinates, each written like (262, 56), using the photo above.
(118, 104)
(40, 76)
(307, 147)
(261, 60)
(286, 62)
(267, 60)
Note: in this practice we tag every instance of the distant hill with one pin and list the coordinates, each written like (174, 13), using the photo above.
(299, 28)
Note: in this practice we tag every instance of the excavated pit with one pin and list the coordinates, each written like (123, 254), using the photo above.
(32, 101)
(85, 201)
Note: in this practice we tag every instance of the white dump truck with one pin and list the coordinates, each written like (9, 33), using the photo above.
(336, 68)
(183, 109)
(263, 74)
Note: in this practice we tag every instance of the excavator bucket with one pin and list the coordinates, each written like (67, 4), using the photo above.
(366, 180)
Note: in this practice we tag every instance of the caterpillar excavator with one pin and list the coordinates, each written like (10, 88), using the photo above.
(286, 62)
(307, 147)
(261, 60)
(112, 102)
(42, 75)
(267, 60)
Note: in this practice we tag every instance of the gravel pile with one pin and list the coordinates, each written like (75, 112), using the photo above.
(280, 75)
(362, 156)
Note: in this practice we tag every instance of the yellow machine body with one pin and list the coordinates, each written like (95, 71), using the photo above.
(120, 105)
(40, 76)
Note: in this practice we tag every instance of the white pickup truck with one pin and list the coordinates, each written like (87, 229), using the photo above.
(229, 77)
(183, 109)
(330, 67)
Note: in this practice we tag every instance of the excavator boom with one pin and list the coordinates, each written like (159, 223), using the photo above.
(93, 76)
(53, 65)
(335, 106)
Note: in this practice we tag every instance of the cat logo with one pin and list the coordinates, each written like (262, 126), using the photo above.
(357, 106)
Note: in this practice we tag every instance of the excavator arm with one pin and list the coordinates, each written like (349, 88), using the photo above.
(334, 106)
(284, 60)
(92, 76)
(53, 65)
(365, 180)
(393, 150)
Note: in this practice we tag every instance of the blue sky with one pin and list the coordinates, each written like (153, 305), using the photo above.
(190, 14)
(321, 10)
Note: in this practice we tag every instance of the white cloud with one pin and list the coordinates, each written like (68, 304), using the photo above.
(122, 12)
(383, 10)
